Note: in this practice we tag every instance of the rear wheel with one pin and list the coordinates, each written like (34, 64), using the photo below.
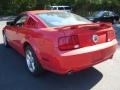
(32, 62)
(5, 40)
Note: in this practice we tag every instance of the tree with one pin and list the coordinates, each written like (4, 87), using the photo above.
(16, 6)
(10, 7)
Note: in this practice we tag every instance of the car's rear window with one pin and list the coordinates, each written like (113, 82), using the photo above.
(54, 19)
(98, 14)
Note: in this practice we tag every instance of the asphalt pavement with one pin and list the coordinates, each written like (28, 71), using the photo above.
(14, 74)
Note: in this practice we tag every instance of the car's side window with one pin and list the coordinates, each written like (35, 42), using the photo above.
(112, 14)
(31, 23)
(54, 8)
(106, 14)
(60, 8)
(20, 20)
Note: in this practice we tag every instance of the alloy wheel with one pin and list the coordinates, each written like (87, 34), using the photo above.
(30, 60)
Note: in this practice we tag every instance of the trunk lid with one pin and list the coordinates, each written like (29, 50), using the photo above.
(90, 34)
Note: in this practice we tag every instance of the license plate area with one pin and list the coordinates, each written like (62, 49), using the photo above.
(102, 38)
(90, 40)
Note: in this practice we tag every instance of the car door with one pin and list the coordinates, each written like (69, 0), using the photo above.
(18, 32)
(11, 32)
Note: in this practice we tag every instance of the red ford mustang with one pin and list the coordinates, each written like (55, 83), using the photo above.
(59, 41)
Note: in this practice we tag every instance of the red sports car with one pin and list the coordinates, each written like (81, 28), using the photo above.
(59, 41)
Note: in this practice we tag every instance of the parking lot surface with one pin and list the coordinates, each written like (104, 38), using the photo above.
(14, 74)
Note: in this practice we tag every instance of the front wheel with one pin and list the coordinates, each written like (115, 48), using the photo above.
(5, 40)
(32, 62)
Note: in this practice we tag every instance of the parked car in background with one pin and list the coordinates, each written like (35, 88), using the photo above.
(104, 16)
(65, 8)
(59, 41)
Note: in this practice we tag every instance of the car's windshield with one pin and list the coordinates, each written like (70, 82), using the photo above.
(98, 14)
(53, 19)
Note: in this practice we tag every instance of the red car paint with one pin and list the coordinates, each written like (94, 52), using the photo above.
(53, 53)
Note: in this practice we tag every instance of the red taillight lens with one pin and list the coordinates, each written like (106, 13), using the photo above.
(111, 35)
(68, 42)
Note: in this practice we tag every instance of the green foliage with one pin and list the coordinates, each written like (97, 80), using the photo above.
(12, 7)
(9, 7)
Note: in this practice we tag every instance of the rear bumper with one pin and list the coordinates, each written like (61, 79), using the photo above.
(76, 60)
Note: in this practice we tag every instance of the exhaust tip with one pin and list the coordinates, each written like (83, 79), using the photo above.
(70, 72)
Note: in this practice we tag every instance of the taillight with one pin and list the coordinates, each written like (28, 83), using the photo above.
(68, 42)
(111, 35)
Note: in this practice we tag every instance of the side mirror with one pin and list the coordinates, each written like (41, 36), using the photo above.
(19, 24)
(10, 23)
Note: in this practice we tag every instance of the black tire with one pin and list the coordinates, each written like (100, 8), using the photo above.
(36, 67)
(5, 41)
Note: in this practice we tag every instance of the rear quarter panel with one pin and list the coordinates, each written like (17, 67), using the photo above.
(44, 42)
